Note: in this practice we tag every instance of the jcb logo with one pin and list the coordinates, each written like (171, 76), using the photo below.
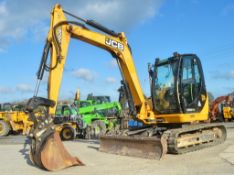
(115, 44)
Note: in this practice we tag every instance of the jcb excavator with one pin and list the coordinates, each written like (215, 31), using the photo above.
(174, 114)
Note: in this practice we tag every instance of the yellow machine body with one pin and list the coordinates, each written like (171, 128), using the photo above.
(141, 109)
(228, 112)
(18, 121)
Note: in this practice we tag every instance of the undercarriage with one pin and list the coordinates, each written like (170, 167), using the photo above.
(154, 142)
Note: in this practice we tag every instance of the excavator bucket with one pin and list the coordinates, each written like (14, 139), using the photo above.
(47, 150)
(144, 147)
(50, 154)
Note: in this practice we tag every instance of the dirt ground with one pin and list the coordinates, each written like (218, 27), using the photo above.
(215, 160)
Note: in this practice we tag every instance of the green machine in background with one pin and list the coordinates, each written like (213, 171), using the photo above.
(88, 118)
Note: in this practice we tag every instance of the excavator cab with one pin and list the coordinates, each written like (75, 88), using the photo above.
(178, 85)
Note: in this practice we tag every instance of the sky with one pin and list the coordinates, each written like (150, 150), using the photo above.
(154, 28)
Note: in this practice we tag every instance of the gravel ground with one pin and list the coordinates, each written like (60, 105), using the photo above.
(215, 160)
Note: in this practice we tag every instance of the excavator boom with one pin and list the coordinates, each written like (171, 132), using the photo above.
(178, 97)
(47, 150)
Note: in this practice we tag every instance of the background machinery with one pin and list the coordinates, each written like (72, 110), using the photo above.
(228, 113)
(87, 118)
(94, 116)
(222, 108)
(13, 119)
(99, 117)
(99, 104)
(175, 114)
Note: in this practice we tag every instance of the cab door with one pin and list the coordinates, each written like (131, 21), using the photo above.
(192, 85)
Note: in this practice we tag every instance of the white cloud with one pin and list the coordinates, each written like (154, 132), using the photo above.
(84, 74)
(230, 75)
(120, 14)
(5, 90)
(110, 80)
(112, 63)
(3, 10)
(19, 18)
(2, 50)
(227, 75)
(24, 88)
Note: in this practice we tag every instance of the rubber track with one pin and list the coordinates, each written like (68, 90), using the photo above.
(172, 135)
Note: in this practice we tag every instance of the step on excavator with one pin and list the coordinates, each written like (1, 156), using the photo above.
(175, 114)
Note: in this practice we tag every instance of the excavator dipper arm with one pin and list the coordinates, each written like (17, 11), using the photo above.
(175, 99)
(47, 150)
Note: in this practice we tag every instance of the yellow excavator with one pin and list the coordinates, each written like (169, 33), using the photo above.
(174, 115)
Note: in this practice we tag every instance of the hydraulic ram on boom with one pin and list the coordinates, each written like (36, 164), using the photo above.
(178, 97)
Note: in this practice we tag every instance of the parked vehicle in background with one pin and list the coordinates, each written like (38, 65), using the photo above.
(13, 119)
